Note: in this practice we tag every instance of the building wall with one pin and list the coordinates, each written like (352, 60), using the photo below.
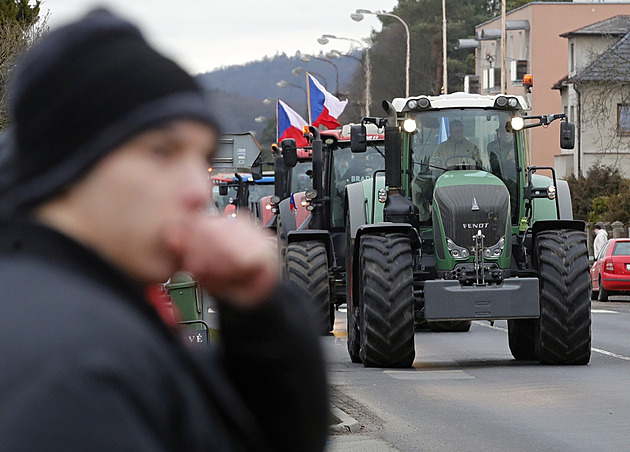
(547, 53)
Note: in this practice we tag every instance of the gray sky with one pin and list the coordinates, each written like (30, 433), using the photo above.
(203, 35)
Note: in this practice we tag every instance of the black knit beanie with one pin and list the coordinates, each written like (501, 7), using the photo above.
(80, 92)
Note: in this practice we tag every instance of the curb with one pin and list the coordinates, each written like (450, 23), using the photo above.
(345, 423)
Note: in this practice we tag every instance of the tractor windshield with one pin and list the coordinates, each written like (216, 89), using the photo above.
(347, 168)
(461, 139)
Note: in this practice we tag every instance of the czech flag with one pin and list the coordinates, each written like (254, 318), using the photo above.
(292, 206)
(324, 108)
(290, 125)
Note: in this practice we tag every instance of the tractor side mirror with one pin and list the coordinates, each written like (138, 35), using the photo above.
(289, 152)
(223, 190)
(358, 138)
(257, 171)
(567, 135)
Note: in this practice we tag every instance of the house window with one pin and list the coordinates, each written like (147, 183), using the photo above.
(623, 119)
(572, 57)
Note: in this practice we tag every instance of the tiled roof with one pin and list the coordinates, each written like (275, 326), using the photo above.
(614, 26)
(561, 83)
(612, 65)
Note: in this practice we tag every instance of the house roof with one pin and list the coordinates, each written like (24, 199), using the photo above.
(614, 26)
(561, 83)
(612, 65)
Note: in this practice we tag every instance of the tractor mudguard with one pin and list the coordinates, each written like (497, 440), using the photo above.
(321, 235)
(516, 298)
(287, 216)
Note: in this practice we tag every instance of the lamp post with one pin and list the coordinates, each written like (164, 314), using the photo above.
(358, 17)
(306, 58)
(284, 84)
(300, 70)
(368, 66)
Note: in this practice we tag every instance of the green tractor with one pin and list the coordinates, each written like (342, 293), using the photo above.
(461, 228)
(314, 244)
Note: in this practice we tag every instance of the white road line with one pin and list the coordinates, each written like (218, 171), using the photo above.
(596, 350)
(607, 353)
(603, 311)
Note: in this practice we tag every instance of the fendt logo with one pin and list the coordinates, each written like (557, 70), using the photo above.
(475, 225)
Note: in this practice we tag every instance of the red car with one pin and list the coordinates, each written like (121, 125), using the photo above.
(611, 271)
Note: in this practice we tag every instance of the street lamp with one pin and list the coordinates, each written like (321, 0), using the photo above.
(306, 58)
(300, 70)
(325, 39)
(284, 84)
(358, 17)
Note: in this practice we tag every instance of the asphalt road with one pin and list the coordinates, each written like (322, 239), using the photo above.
(465, 392)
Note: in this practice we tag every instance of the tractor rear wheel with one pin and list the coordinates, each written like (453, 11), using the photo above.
(354, 344)
(307, 267)
(386, 300)
(521, 339)
(563, 331)
(450, 326)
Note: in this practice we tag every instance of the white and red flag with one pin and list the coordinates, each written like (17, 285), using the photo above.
(323, 107)
(290, 125)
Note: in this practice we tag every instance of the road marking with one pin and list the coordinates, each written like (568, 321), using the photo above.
(428, 374)
(607, 353)
(603, 311)
(593, 349)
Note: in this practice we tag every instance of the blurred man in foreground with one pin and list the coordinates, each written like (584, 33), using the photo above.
(102, 196)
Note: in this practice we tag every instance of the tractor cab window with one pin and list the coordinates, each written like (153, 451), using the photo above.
(348, 168)
(301, 176)
(461, 139)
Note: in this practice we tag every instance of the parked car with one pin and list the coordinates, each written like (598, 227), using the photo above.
(610, 272)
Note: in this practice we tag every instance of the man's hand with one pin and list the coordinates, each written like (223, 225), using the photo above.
(234, 261)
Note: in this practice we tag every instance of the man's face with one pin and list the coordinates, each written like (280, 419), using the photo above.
(124, 205)
(457, 132)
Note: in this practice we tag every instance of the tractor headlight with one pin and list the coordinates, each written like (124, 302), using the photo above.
(268, 207)
(304, 201)
(495, 250)
(457, 252)
(409, 125)
(275, 199)
(310, 194)
(551, 192)
(382, 195)
(517, 123)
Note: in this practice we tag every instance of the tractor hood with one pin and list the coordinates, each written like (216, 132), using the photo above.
(468, 202)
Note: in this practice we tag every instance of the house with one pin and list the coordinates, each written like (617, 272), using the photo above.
(533, 45)
(596, 92)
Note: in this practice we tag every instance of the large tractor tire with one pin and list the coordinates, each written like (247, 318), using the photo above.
(352, 311)
(386, 301)
(450, 326)
(354, 344)
(307, 267)
(521, 339)
(563, 332)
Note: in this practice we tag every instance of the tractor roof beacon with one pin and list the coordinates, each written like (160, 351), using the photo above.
(462, 228)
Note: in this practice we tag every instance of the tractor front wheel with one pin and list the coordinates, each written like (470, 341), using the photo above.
(563, 331)
(307, 267)
(386, 300)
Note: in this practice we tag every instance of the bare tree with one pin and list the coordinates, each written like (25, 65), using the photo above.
(15, 37)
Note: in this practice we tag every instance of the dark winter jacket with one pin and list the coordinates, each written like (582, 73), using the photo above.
(87, 364)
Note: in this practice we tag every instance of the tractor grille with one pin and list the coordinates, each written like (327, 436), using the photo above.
(465, 209)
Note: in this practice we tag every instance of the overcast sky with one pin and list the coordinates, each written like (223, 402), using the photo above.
(203, 35)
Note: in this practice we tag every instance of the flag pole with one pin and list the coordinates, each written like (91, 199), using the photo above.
(277, 120)
(308, 98)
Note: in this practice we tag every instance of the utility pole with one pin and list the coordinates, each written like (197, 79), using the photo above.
(444, 60)
(503, 40)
